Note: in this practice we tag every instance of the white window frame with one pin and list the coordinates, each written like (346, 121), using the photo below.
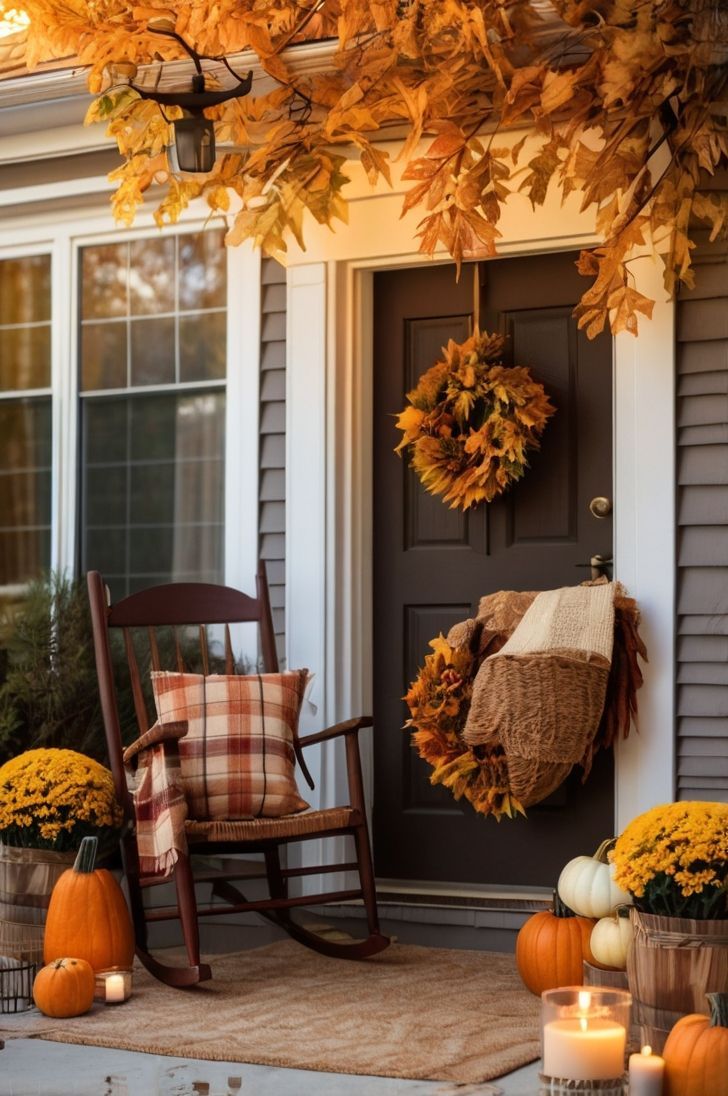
(61, 234)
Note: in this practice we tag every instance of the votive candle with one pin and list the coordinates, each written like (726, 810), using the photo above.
(646, 1073)
(115, 990)
(584, 1033)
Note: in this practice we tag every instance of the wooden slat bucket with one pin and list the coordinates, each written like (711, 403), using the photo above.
(672, 963)
(597, 976)
(27, 877)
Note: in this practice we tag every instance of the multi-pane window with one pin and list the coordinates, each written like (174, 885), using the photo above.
(25, 418)
(152, 365)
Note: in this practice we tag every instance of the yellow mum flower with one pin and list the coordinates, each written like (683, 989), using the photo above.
(53, 798)
(674, 859)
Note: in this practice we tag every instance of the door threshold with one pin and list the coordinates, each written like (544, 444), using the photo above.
(463, 895)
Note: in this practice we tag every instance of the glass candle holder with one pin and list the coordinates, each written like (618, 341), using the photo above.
(113, 986)
(584, 1040)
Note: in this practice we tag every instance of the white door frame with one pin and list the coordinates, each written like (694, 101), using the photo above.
(329, 502)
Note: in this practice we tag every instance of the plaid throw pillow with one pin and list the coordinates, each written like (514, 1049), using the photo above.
(237, 757)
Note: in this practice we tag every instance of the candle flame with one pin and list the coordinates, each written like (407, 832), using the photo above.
(584, 999)
(583, 1024)
(647, 1051)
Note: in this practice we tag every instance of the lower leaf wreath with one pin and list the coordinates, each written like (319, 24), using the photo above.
(506, 754)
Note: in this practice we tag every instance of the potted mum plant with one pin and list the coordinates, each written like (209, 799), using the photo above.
(49, 800)
(673, 860)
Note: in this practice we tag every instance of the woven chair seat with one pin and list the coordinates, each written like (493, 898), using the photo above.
(263, 829)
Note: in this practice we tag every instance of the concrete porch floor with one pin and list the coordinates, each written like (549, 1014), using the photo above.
(35, 1067)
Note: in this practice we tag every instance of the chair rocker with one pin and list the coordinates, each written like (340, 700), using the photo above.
(161, 611)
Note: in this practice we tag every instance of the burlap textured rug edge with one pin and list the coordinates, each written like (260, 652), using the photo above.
(411, 1013)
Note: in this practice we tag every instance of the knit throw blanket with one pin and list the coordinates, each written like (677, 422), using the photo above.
(542, 692)
(160, 808)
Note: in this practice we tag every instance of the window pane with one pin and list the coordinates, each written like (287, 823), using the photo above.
(25, 489)
(152, 351)
(105, 439)
(169, 485)
(106, 493)
(104, 281)
(25, 289)
(202, 347)
(25, 357)
(103, 356)
(202, 270)
(151, 276)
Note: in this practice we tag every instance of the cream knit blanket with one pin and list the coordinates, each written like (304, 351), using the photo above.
(575, 618)
(541, 696)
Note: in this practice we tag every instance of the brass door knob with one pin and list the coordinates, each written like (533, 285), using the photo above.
(600, 507)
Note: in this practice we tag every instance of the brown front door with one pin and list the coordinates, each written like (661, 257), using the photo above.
(432, 564)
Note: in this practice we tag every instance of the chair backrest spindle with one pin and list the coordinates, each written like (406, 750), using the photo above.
(178, 650)
(154, 649)
(204, 652)
(229, 657)
(136, 683)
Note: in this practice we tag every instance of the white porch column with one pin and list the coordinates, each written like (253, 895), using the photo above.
(306, 481)
(644, 537)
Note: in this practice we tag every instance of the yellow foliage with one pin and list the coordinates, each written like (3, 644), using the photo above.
(647, 77)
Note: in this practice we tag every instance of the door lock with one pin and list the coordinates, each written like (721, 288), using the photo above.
(600, 566)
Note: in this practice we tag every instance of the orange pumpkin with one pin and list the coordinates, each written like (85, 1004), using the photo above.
(696, 1052)
(551, 948)
(88, 916)
(64, 988)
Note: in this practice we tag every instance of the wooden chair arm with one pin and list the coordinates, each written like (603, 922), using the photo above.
(170, 733)
(349, 726)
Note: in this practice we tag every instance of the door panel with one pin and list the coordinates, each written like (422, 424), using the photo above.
(432, 564)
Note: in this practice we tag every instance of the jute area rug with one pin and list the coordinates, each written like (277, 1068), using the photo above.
(410, 1012)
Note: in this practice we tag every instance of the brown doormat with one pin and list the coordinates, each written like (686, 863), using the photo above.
(411, 1012)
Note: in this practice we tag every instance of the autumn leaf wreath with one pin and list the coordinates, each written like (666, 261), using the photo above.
(471, 422)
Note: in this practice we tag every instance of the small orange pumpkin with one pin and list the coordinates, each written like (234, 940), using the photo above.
(696, 1052)
(64, 987)
(88, 916)
(551, 948)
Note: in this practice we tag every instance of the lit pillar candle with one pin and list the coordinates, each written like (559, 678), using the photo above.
(584, 1048)
(114, 988)
(646, 1071)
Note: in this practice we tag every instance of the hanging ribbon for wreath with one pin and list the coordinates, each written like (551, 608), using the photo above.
(538, 682)
(472, 420)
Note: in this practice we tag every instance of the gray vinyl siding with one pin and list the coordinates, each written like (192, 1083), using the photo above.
(702, 517)
(272, 506)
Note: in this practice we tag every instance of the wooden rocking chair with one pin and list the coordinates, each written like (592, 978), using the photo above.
(169, 608)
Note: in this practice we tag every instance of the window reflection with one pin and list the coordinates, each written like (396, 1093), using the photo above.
(104, 281)
(25, 489)
(25, 333)
(153, 311)
(151, 276)
(25, 290)
(202, 263)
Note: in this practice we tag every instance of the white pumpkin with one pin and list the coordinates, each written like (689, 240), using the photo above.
(610, 941)
(587, 887)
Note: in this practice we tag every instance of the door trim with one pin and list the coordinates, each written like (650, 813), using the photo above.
(329, 591)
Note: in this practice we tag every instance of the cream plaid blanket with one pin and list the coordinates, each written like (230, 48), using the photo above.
(160, 808)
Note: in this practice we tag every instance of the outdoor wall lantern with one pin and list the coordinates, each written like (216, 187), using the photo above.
(193, 146)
